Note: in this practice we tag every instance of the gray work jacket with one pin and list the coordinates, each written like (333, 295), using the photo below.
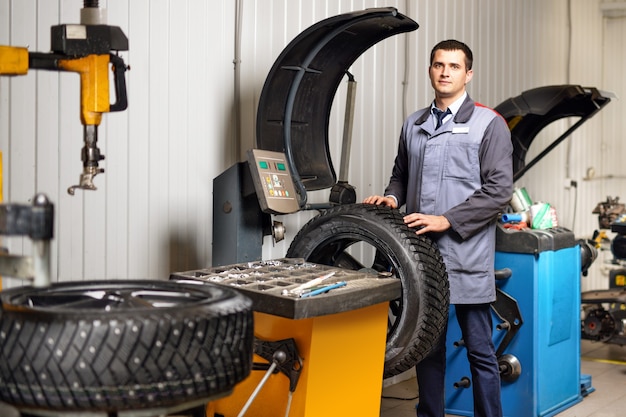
(462, 171)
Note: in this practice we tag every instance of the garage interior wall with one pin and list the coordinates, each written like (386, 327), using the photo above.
(192, 112)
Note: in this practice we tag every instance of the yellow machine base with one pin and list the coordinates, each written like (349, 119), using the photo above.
(343, 356)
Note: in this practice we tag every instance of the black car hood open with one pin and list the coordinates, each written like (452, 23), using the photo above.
(295, 103)
(531, 111)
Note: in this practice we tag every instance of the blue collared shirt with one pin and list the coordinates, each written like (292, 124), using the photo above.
(454, 108)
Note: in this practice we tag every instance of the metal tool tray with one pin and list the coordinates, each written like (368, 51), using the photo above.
(264, 282)
(533, 241)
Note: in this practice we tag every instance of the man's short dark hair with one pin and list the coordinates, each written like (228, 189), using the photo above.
(453, 45)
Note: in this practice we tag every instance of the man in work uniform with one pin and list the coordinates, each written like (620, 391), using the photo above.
(453, 171)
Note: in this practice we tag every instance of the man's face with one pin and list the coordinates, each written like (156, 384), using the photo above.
(448, 73)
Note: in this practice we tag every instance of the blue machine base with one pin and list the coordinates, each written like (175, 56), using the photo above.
(546, 287)
(585, 389)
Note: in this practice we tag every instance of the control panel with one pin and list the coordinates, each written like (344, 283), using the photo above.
(272, 181)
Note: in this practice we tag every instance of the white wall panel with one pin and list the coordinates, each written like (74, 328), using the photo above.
(139, 140)
(606, 140)
(153, 208)
(20, 144)
(579, 55)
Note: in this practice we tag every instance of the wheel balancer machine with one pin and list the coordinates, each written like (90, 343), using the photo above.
(293, 158)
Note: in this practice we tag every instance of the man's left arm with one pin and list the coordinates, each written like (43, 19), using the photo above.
(496, 170)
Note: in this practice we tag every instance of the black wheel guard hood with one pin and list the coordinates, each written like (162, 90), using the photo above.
(533, 110)
(295, 103)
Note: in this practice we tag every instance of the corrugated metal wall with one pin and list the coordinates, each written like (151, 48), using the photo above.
(152, 211)
(606, 139)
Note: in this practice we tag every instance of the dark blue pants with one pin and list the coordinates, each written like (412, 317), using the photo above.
(476, 328)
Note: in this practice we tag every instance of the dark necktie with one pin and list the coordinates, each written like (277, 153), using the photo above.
(440, 115)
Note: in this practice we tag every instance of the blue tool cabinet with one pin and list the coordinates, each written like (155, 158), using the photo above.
(545, 282)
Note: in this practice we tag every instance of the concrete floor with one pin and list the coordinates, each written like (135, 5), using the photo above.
(605, 363)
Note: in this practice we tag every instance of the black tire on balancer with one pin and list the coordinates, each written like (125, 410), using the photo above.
(122, 345)
(419, 315)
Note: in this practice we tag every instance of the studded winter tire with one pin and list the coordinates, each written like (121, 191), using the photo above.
(122, 345)
(375, 238)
